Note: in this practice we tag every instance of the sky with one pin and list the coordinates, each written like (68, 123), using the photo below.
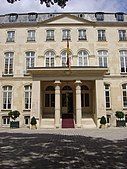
(25, 6)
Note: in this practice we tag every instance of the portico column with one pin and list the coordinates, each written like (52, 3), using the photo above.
(78, 103)
(57, 104)
(100, 100)
(35, 108)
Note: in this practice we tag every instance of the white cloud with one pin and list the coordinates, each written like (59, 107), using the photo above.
(25, 6)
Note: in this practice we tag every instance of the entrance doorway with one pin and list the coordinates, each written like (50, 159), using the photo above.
(67, 107)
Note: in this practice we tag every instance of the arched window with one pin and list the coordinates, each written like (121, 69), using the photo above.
(8, 68)
(49, 59)
(123, 60)
(103, 55)
(124, 88)
(27, 94)
(50, 96)
(107, 96)
(64, 58)
(85, 96)
(30, 57)
(67, 88)
(7, 97)
(82, 58)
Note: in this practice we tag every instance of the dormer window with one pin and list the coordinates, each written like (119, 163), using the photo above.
(99, 16)
(13, 17)
(32, 16)
(119, 16)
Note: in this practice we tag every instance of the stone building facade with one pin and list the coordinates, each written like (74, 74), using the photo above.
(36, 80)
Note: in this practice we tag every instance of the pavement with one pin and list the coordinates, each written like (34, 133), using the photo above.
(63, 148)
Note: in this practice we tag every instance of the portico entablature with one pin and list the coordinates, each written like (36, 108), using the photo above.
(64, 73)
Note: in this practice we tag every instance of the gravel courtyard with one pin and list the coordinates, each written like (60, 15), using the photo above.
(63, 148)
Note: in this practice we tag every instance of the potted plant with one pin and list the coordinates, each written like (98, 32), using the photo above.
(13, 115)
(102, 122)
(120, 121)
(33, 123)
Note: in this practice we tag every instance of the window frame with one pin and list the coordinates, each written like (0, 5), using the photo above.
(107, 90)
(66, 34)
(103, 58)
(10, 36)
(83, 59)
(8, 63)
(101, 35)
(123, 61)
(27, 100)
(50, 59)
(82, 34)
(50, 35)
(122, 35)
(124, 90)
(31, 34)
(29, 59)
(7, 97)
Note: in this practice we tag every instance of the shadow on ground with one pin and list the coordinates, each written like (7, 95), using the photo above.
(51, 151)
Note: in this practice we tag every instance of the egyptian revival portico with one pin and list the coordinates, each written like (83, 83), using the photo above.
(77, 92)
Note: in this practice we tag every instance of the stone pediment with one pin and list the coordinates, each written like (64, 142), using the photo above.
(67, 19)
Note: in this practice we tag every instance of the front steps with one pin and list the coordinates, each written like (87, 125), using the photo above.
(67, 122)
(88, 123)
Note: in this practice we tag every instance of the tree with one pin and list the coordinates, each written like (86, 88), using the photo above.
(14, 114)
(61, 3)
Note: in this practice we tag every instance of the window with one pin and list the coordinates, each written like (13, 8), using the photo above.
(32, 16)
(49, 59)
(82, 34)
(5, 120)
(50, 35)
(8, 70)
(30, 57)
(99, 16)
(13, 17)
(27, 120)
(7, 97)
(107, 96)
(124, 87)
(101, 35)
(119, 16)
(85, 96)
(123, 60)
(31, 35)
(28, 91)
(108, 118)
(122, 35)
(82, 58)
(10, 36)
(102, 54)
(66, 34)
(50, 96)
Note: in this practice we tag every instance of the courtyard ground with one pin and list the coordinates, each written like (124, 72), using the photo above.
(63, 148)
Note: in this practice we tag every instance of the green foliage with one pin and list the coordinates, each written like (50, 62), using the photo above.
(103, 120)
(119, 114)
(14, 114)
(61, 3)
(33, 121)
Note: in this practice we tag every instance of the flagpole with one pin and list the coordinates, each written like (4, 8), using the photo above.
(68, 52)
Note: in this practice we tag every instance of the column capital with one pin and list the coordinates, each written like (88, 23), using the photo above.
(78, 82)
(57, 82)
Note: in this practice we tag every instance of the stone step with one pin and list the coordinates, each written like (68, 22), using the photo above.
(88, 123)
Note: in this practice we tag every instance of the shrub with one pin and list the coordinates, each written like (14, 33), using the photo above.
(33, 121)
(103, 120)
(119, 114)
(14, 114)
